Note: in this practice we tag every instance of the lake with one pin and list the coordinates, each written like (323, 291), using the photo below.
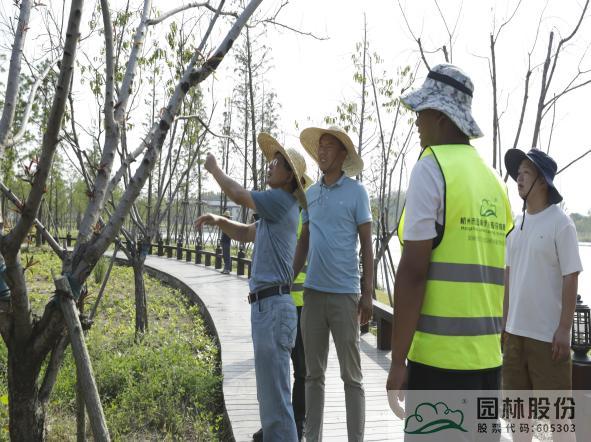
(584, 277)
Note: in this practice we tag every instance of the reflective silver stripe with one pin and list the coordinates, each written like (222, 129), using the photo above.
(446, 271)
(445, 326)
(297, 287)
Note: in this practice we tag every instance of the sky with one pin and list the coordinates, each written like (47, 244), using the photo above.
(311, 77)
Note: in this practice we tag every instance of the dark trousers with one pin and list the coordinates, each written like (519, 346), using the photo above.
(298, 359)
(226, 256)
(424, 377)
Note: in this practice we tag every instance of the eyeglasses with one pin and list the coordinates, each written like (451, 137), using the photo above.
(276, 161)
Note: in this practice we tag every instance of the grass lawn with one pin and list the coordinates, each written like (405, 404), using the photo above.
(167, 387)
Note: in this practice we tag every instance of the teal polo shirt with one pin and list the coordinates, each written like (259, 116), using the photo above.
(333, 216)
(275, 241)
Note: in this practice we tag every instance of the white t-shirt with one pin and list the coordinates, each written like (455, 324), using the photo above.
(425, 200)
(538, 257)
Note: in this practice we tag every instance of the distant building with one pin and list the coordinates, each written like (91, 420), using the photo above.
(213, 206)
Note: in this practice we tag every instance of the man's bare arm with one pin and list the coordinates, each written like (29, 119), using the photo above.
(231, 188)
(235, 230)
(301, 252)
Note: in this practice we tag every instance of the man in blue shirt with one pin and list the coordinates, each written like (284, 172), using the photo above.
(334, 300)
(273, 314)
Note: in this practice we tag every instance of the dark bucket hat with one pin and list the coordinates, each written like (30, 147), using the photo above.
(544, 163)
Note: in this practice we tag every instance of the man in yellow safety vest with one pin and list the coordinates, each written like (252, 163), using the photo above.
(448, 295)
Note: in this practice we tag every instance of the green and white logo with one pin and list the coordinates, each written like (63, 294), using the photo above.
(488, 208)
(429, 418)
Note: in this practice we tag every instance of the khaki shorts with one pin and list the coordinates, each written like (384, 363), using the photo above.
(528, 365)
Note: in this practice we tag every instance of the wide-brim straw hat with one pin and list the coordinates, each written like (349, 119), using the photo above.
(448, 90)
(310, 138)
(270, 146)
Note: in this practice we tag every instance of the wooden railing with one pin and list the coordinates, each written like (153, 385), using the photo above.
(196, 254)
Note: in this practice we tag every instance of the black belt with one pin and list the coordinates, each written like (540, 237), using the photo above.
(269, 291)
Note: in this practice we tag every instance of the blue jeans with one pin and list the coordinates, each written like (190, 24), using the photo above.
(274, 326)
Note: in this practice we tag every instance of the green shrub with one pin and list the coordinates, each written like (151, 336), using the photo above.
(167, 387)
(100, 269)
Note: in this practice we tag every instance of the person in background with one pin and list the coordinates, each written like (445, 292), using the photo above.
(226, 242)
(541, 279)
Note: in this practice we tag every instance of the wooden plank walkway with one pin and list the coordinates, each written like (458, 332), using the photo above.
(225, 299)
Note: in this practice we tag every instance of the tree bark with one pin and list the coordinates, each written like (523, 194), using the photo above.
(27, 415)
(141, 305)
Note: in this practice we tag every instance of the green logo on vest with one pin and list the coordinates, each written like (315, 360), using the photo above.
(488, 208)
(429, 418)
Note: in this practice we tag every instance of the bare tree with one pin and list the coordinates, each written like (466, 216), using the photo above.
(31, 341)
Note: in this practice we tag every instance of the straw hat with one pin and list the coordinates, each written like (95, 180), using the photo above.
(270, 146)
(227, 214)
(310, 138)
(448, 90)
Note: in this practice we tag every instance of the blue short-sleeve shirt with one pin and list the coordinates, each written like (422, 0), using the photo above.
(333, 216)
(275, 242)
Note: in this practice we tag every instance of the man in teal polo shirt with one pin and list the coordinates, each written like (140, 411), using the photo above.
(334, 301)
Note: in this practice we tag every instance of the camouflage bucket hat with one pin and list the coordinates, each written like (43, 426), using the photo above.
(448, 90)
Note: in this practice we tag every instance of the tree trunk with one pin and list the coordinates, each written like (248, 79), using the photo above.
(252, 111)
(26, 414)
(141, 306)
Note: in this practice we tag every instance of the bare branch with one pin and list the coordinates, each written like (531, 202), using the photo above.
(495, 122)
(130, 159)
(290, 28)
(110, 68)
(418, 40)
(449, 34)
(21, 133)
(191, 77)
(212, 23)
(14, 70)
(38, 225)
(566, 91)
(127, 83)
(565, 40)
(103, 169)
(551, 127)
(580, 157)
(543, 91)
(524, 103)
(445, 54)
(50, 140)
(506, 22)
(186, 6)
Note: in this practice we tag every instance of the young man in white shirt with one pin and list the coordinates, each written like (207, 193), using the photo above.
(541, 277)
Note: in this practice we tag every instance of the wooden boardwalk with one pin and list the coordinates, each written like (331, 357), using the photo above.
(225, 299)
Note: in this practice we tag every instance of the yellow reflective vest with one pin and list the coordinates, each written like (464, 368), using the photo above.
(297, 288)
(461, 317)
